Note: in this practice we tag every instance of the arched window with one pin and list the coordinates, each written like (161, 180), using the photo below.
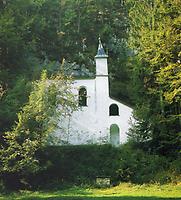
(114, 135)
(82, 97)
(113, 110)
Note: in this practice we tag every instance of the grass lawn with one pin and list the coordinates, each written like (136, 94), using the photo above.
(124, 191)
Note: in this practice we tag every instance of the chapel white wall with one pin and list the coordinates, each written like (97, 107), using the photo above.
(91, 123)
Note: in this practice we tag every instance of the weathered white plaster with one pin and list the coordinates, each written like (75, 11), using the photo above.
(91, 123)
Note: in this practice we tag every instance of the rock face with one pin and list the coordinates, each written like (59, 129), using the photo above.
(100, 118)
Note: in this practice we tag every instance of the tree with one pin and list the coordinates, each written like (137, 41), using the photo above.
(155, 37)
(49, 100)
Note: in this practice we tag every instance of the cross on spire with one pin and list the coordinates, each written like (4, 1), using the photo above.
(100, 51)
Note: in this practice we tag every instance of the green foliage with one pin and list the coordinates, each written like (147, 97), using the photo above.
(139, 167)
(155, 37)
(49, 100)
(11, 102)
(76, 164)
(61, 165)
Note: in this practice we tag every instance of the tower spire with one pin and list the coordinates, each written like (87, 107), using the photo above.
(100, 51)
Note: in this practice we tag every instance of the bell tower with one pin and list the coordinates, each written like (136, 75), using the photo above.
(101, 61)
(102, 91)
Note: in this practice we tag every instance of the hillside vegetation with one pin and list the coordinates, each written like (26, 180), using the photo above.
(43, 40)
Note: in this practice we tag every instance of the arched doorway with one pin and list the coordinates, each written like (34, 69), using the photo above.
(114, 135)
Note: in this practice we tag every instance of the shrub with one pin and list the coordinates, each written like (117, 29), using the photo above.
(62, 165)
(139, 167)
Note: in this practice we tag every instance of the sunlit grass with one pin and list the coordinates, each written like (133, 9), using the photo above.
(124, 191)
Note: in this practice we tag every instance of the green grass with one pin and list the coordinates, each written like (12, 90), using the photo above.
(124, 191)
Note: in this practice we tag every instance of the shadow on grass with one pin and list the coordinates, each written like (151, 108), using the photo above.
(98, 198)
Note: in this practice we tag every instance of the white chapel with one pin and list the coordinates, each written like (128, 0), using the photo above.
(100, 119)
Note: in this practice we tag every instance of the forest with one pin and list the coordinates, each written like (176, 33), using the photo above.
(44, 39)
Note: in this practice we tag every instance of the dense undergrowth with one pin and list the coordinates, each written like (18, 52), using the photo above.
(80, 165)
